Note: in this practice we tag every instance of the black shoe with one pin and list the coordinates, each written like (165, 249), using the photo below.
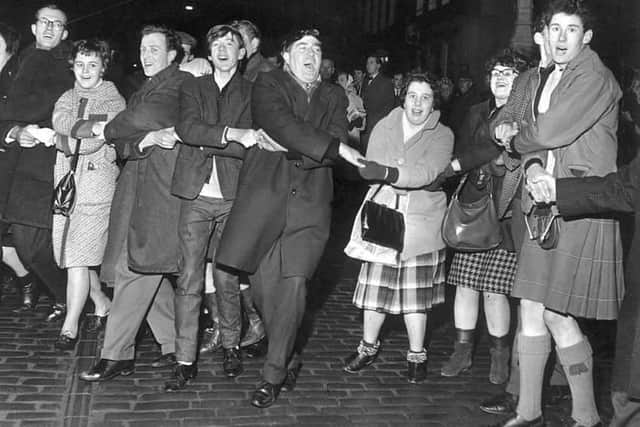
(211, 340)
(255, 350)
(516, 421)
(66, 342)
(164, 361)
(106, 369)
(501, 404)
(58, 312)
(94, 323)
(183, 374)
(265, 395)
(292, 377)
(232, 363)
(30, 296)
(416, 372)
(357, 361)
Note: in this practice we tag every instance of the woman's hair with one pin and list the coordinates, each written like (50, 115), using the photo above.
(97, 47)
(422, 78)
(173, 40)
(507, 58)
(11, 38)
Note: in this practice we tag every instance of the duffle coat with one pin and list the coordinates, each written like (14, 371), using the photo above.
(144, 213)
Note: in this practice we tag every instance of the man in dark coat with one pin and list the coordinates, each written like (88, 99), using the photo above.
(616, 192)
(143, 229)
(378, 97)
(280, 220)
(255, 63)
(43, 76)
(215, 126)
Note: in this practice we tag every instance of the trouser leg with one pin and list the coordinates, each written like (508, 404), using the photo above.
(35, 249)
(133, 294)
(626, 411)
(161, 317)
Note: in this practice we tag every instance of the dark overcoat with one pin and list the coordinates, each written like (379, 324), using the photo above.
(286, 196)
(379, 99)
(26, 195)
(144, 213)
(619, 192)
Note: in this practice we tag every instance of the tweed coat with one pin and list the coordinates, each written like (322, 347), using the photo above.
(582, 276)
(144, 213)
(286, 196)
(41, 77)
(618, 192)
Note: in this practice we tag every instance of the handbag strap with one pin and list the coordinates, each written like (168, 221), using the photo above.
(463, 180)
(378, 190)
(76, 153)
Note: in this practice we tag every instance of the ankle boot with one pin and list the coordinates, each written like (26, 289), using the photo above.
(255, 330)
(500, 353)
(460, 359)
(30, 295)
(211, 339)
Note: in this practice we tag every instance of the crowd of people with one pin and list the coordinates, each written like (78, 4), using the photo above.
(209, 189)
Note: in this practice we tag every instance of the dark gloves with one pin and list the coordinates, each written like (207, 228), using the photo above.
(436, 184)
(373, 171)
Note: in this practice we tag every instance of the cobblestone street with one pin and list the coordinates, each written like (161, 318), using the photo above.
(40, 387)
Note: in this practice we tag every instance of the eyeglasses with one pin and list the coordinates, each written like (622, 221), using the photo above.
(508, 72)
(57, 25)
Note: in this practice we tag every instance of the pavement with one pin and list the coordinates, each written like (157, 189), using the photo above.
(40, 387)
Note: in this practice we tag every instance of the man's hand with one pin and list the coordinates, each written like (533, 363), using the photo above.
(164, 138)
(505, 133)
(246, 137)
(351, 155)
(540, 184)
(267, 143)
(98, 129)
(24, 137)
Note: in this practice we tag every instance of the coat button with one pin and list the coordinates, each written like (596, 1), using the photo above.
(293, 192)
(401, 162)
(297, 164)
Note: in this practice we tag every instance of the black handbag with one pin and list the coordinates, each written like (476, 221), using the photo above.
(472, 226)
(382, 225)
(64, 195)
(542, 225)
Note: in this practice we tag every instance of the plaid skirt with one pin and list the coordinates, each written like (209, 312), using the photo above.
(414, 286)
(490, 271)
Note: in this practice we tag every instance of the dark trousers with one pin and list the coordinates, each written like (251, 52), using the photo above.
(201, 224)
(35, 249)
(282, 301)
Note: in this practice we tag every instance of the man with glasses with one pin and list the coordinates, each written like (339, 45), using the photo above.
(25, 128)
(280, 219)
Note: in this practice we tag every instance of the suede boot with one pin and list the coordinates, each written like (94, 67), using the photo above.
(500, 352)
(211, 338)
(460, 359)
(255, 331)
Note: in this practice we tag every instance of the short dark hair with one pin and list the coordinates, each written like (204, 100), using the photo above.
(219, 31)
(422, 78)
(252, 30)
(188, 39)
(52, 6)
(97, 47)
(11, 38)
(296, 35)
(570, 7)
(507, 58)
(172, 38)
(376, 57)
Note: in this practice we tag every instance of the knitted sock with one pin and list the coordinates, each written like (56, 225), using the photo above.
(577, 361)
(534, 352)
(417, 356)
(368, 349)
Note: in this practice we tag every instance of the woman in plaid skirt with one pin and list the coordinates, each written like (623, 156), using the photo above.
(407, 150)
(490, 273)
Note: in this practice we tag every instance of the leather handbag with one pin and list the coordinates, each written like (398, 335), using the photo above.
(473, 226)
(542, 225)
(64, 196)
(381, 224)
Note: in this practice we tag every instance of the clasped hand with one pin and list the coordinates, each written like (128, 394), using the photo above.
(164, 138)
(505, 132)
(541, 185)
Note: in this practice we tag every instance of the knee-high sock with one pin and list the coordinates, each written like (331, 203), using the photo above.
(534, 352)
(577, 361)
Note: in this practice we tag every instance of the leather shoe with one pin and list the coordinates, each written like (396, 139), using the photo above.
(265, 395)
(106, 369)
(416, 372)
(95, 323)
(66, 342)
(232, 362)
(183, 374)
(501, 404)
(30, 297)
(257, 349)
(292, 377)
(517, 421)
(58, 312)
(357, 361)
(164, 361)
